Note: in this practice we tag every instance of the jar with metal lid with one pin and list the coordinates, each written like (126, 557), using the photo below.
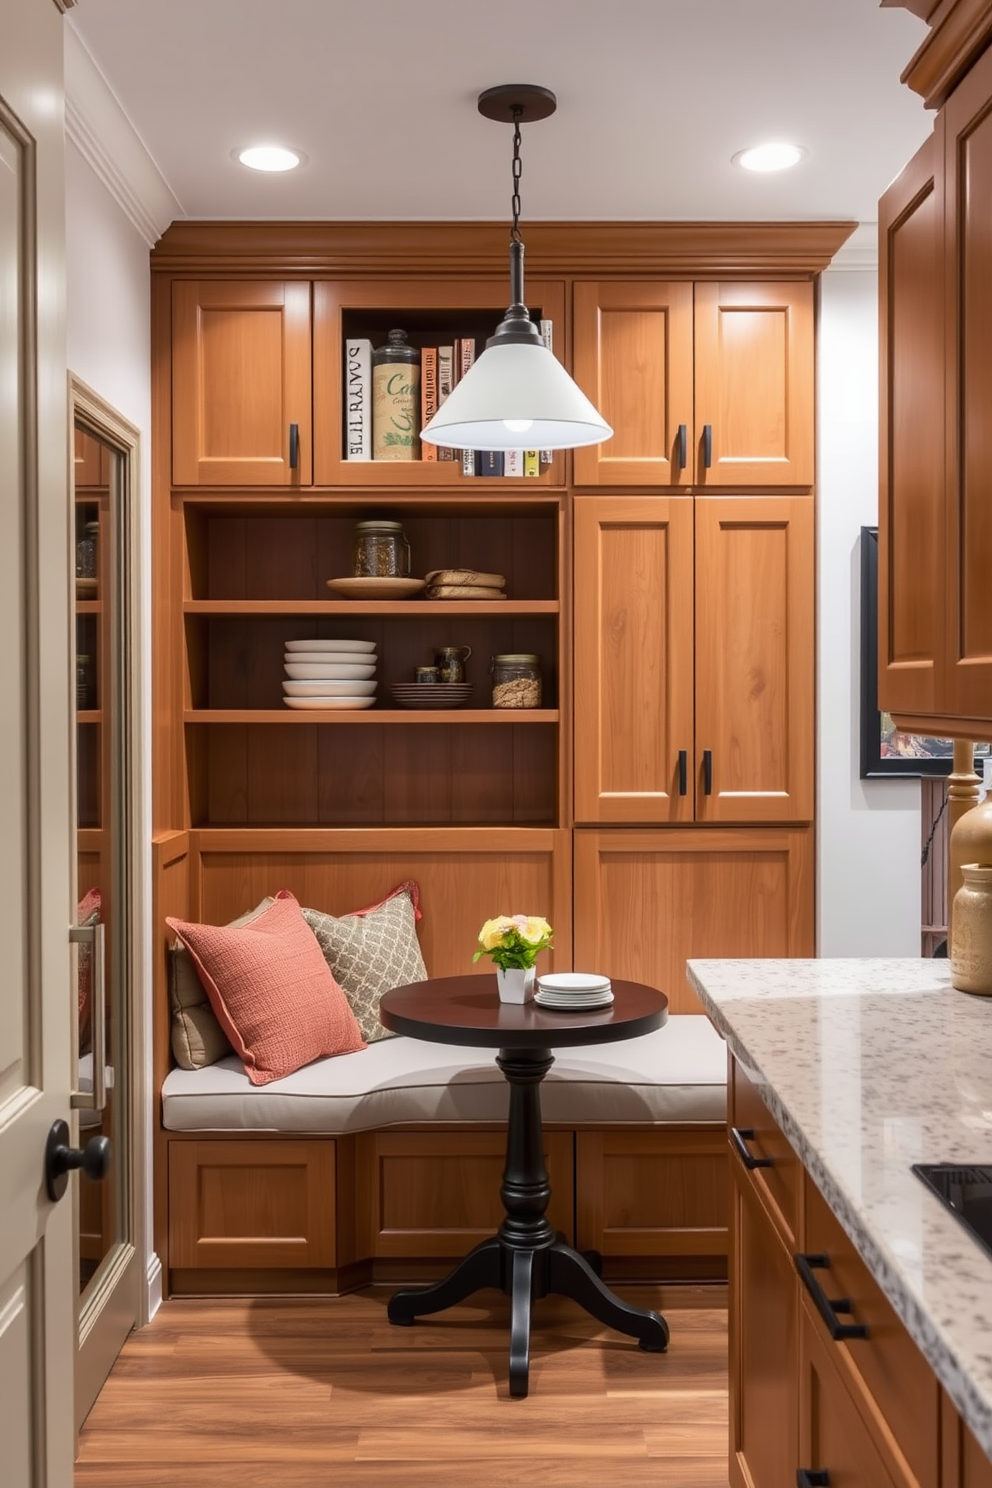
(380, 551)
(516, 680)
(396, 399)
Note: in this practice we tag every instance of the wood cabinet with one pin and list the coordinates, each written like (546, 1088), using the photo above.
(694, 659)
(708, 384)
(935, 531)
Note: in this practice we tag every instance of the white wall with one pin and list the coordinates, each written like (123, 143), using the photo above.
(108, 348)
(868, 847)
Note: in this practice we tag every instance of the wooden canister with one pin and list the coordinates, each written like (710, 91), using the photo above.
(396, 400)
(971, 930)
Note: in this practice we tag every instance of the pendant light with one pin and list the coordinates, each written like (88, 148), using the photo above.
(516, 393)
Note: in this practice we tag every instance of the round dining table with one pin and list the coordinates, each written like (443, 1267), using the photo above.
(526, 1259)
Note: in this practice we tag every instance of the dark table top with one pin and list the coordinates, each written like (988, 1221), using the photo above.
(467, 1010)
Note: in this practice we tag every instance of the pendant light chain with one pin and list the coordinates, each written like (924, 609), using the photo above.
(516, 171)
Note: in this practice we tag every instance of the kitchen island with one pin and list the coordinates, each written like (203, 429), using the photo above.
(867, 1067)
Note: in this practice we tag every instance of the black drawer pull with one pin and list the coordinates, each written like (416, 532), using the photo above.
(827, 1307)
(740, 1136)
(707, 772)
(812, 1477)
(707, 446)
(683, 446)
(683, 772)
(294, 446)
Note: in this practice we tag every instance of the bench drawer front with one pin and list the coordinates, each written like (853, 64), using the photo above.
(240, 1204)
(653, 1193)
(885, 1372)
(427, 1194)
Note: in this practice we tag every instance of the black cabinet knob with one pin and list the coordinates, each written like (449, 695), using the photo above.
(61, 1159)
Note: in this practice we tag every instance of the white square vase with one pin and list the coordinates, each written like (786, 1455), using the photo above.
(516, 984)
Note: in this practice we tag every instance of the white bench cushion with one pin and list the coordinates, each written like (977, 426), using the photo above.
(678, 1073)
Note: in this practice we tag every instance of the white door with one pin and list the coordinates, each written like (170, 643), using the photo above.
(37, 1314)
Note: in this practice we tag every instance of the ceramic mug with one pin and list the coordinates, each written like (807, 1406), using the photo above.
(451, 662)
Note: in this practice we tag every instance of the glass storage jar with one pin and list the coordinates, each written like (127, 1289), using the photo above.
(516, 680)
(380, 551)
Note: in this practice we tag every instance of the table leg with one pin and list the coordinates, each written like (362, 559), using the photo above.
(521, 1296)
(570, 1275)
(481, 1268)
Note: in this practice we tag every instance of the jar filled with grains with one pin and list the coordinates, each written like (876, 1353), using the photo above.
(516, 680)
(380, 551)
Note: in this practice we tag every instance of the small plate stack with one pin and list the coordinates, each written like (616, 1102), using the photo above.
(329, 674)
(431, 694)
(573, 991)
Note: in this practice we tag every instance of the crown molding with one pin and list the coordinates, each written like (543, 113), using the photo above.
(860, 253)
(959, 31)
(105, 137)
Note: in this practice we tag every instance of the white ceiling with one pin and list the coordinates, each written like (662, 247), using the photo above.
(654, 97)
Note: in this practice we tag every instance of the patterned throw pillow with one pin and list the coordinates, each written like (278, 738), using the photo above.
(197, 1037)
(271, 990)
(371, 951)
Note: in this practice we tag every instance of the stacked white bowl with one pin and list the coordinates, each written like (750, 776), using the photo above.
(329, 674)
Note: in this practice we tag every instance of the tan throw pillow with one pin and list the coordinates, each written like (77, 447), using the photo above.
(197, 1037)
(272, 991)
(371, 951)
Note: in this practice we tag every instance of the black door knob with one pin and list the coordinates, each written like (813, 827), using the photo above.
(60, 1159)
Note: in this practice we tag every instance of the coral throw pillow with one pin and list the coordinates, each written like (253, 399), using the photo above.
(371, 951)
(272, 990)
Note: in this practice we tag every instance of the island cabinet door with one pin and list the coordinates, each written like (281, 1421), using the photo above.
(754, 384)
(764, 1345)
(633, 647)
(633, 357)
(241, 384)
(836, 1445)
(755, 659)
(963, 1463)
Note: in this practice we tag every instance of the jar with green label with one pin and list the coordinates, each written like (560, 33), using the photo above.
(396, 400)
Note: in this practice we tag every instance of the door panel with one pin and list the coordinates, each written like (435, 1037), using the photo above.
(633, 658)
(754, 384)
(633, 359)
(754, 659)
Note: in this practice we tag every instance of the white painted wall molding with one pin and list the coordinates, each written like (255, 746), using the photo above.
(153, 1297)
(860, 253)
(101, 131)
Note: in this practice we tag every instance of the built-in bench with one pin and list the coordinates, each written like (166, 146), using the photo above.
(385, 1164)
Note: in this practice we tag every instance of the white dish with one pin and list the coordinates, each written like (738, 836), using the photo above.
(573, 981)
(329, 689)
(587, 1004)
(322, 645)
(329, 702)
(326, 672)
(329, 658)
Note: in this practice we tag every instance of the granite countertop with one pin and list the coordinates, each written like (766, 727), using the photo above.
(869, 1066)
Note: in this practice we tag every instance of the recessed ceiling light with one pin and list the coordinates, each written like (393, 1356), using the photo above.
(771, 157)
(269, 158)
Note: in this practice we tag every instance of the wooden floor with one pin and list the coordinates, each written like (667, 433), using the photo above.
(303, 1393)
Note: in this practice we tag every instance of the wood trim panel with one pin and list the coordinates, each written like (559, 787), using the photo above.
(638, 1196)
(373, 250)
(252, 1204)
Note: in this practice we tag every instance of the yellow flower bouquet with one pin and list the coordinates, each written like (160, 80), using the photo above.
(514, 941)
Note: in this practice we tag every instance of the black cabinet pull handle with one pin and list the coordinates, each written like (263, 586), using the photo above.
(707, 772)
(294, 446)
(827, 1307)
(812, 1477)
(683, 772)
(740, 1136)
(707, 446)
(683, 446)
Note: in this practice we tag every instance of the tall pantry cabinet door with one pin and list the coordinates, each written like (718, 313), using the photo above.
(241, 384)
(632, 356)
(632, 633)
(968, 188)
(754, 659)
(754, 384)
(911, 521)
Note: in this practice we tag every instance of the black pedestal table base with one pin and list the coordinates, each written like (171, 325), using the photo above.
(526, 1259)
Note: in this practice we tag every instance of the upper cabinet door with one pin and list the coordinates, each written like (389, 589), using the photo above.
(754, 659)
(754, 404)
(911, 522)
(632, 353)
(968, 187)
(633, 659)
(241, 384)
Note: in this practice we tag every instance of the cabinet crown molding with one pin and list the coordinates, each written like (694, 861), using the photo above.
(698, 250)
(960, 30)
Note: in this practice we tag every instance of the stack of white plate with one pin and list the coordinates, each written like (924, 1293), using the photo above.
(329, 674)
(573, 991)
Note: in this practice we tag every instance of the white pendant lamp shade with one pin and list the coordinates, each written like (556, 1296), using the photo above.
(516, 396)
